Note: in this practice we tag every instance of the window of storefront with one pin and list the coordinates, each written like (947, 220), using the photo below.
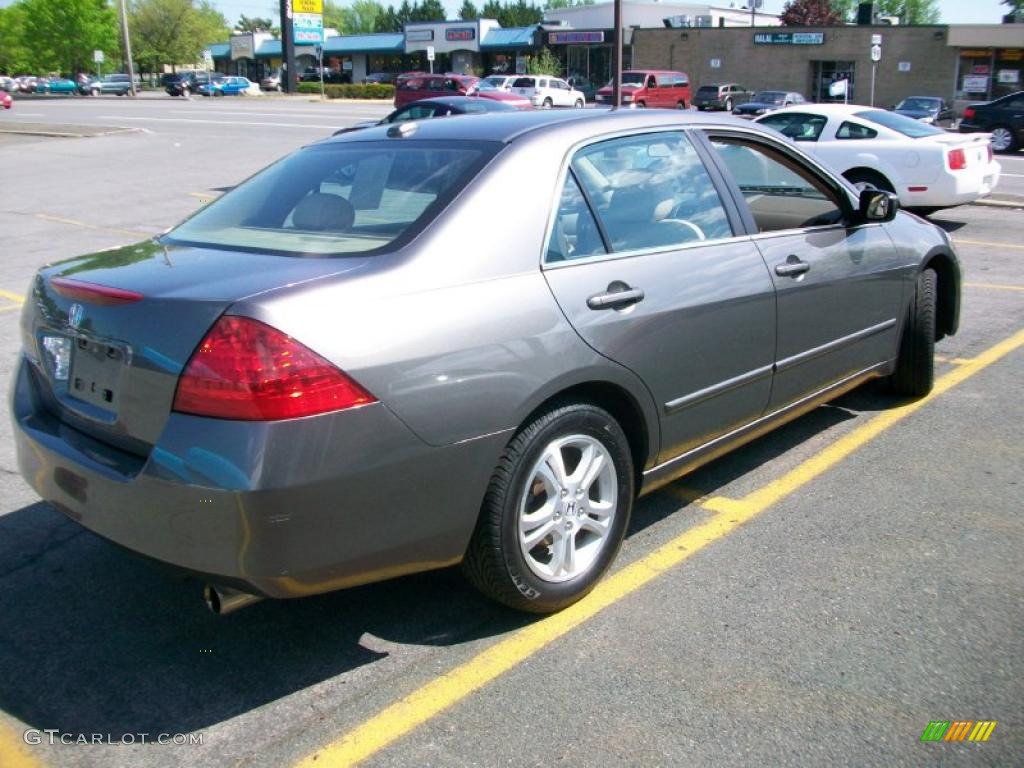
(990, 73)
(825, 73)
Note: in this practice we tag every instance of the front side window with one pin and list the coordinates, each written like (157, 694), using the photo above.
(796, 125)
(633, 78)
(780, 192)
(337, 198)
(651, 191)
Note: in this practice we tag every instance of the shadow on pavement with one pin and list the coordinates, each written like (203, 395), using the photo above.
(97, 640)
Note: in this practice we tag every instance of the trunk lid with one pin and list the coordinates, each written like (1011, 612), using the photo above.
(110, 367)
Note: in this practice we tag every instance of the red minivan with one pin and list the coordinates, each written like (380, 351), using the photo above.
(417, 85)
(651, 88)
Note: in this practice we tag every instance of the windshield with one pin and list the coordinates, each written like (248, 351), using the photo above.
(770, 97)
(337, 198)
(919, 105)
(486, 85)
(633, 78)
(908, 126)
(496, 82)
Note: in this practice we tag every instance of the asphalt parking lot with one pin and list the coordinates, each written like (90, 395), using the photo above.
(815, 598)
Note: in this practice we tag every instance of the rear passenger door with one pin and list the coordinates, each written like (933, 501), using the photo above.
(839, 286)
(643, 260)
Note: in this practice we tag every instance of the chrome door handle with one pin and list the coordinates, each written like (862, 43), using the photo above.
(793, 267)
(618, 296)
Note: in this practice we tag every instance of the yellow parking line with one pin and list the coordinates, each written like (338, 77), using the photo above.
(10, 308)
(87, 225)
(405, 715)
(995, 286)
(14, 752)
(959, 240)
(12, 296)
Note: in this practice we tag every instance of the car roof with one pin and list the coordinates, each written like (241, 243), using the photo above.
(508, 126)
(827, 109)
(451, 101)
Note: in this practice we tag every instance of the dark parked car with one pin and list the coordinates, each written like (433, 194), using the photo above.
(381, 78)
(364, 362)
(442, 106)
(927, 109)
(312, 75)
(720, 96)
(184, 83)
(764, 102)
(1003, 118)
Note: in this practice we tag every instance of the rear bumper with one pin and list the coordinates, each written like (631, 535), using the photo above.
(281, 509)
(954, 188)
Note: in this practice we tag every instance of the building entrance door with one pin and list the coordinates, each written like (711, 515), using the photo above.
(824, 73)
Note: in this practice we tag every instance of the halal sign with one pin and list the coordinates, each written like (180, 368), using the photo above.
(459, 34)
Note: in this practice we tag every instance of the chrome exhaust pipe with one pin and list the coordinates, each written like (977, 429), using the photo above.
(223, 600)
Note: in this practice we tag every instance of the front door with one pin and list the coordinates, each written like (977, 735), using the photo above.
(839, 287)
(643, 260)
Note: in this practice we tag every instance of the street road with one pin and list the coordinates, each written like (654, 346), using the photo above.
(816, 598)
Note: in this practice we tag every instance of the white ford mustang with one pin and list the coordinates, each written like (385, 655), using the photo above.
(926, 166)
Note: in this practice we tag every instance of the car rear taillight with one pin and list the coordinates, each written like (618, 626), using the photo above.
(246, 370)
(968, 113)
(957, 160)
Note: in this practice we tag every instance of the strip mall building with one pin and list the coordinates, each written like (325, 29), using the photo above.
(711, 44)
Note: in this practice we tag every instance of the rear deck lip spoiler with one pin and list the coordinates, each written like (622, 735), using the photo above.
(93, 293)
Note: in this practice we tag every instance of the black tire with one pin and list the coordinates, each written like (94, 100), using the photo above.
(870, 177)
(680, 104)
(641, 105)
(1009, 137)
(700, 108)
(494, 562)
(915, 365)
(579, 104)
(218, 94)
(548, 104)
(728, 105)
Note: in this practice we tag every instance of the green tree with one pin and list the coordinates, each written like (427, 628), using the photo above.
(809, 13)
(360, 17)
(492, 10)
(910, 11)
(15, 56)
(520, 14)
(173, 31)
(428, 10)
(389, 21)
(1016, 7)
(62, 34)
(254, 24)
(468, 11)
(544, 63)
(555, 4)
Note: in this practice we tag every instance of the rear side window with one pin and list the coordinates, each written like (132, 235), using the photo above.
(850, 130)
(337, 198)
(575, 233)
(679, 81)
(797, 125)
(651, 191)
(523, 82)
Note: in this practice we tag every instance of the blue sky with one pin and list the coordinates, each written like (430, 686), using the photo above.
(952, 11)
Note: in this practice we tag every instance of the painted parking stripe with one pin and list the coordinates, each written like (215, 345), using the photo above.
(14, 753)
(332, 127)
(428, 701)
(962, 241)
(87, 225)
(995, 286)
(10, 295)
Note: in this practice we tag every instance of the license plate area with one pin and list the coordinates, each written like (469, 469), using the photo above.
(96, 373)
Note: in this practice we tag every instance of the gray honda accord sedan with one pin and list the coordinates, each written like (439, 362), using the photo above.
(472, 341)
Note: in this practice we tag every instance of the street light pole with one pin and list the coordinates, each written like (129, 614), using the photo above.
(617, 63)
(127, 48)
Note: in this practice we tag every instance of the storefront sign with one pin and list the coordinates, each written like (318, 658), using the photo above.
(571, 38)
(975, 83)
(904, 66)
(1008, 76)
(307, 6)
(458, 34)
(419, 35)
(789, 38)
(980, 69)
(715, 63)
(243, 47)
(308, 28)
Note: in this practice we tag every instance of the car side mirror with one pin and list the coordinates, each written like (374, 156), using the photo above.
(877, 205)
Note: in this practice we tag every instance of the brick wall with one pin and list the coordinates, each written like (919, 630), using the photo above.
(788, 67)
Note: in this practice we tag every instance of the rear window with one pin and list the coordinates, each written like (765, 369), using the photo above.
(914, 129)
(338, 198)
(708, 90)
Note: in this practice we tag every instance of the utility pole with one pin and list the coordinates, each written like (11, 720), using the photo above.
(289, 77)
(127, 48)
(617, 63)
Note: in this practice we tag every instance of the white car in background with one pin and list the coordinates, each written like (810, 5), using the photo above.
(927, 167)
(544, 91)
(501, 82)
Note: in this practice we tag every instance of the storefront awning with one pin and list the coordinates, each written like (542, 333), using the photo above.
(385, 42)
(513, 37)
(219, 50)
